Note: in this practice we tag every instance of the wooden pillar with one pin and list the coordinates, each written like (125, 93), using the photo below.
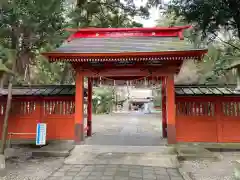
(164, 118)
(79, 108)
(89, 108)
(170, 109)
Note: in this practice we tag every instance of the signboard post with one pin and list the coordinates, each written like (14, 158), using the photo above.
(41, 134)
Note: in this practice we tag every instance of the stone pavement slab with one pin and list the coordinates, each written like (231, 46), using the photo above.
(160, 156)
(127, 130)
(114, 172)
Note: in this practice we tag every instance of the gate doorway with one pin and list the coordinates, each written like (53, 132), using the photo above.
(126, 129)
(128, 126)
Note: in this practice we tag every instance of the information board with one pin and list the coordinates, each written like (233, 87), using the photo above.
(41, 134)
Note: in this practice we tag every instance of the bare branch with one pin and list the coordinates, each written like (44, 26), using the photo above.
(228, 43)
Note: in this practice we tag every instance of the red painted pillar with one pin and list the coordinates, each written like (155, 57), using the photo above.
(164, 117)
(89, 108)
(170, 109)
(79, 106)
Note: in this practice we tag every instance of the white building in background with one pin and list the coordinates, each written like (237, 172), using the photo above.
(136, 98)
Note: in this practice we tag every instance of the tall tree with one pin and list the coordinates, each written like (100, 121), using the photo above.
(39, 23)
(210, 16)
(218, 21)
(28, 25)
(103, 14)
(213, 67)
(107, 13)
(25, 27)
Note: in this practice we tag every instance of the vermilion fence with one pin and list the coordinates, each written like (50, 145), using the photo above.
(208, 118)
(57, 112)
(202, 118)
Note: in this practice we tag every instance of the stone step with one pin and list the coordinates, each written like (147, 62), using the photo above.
(160, 156)
(127, 149)
(195, 153)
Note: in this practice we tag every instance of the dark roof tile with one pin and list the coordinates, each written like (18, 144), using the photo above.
(69, 90)
(127, 44)
(66, 90)
(201, 90)
(38, 90)
(197, 91)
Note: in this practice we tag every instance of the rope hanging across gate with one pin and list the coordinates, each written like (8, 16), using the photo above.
(153, 82)
(147, 81)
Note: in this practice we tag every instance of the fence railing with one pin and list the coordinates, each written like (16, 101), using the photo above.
(26, 112)
(208, 106)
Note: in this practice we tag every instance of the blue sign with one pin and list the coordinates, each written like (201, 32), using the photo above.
(41, 134)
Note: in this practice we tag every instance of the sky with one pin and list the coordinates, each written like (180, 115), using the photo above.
(151, 22)
(154, 14)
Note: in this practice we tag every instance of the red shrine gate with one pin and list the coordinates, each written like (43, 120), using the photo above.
(126, 54)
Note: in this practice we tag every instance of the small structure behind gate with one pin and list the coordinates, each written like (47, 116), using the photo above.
(207, 114)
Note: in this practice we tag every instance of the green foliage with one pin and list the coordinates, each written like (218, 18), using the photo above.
(214, 67)
(32, 26)
(31, 23)
(47, 73)
(170, 19)
(27, 26)
(157, 100)
(110, 13)
(220, 54)
(102, 100)
(210, 16)
(91, 14)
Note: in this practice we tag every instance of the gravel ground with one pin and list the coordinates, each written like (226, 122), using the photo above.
(212, 170)
(22, 166)
(31, 169)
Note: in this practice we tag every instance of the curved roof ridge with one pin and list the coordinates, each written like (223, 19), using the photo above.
(141, 29)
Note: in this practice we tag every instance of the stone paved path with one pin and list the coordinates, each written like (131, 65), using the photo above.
(128, 129)
(123, 147)
(114, 172)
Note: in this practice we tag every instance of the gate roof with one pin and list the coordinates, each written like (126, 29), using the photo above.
(131, 44)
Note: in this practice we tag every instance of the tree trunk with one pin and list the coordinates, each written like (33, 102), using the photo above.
(65, 73)
(15, 36)
(6, 116)
(2, 82)
(7, 110)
